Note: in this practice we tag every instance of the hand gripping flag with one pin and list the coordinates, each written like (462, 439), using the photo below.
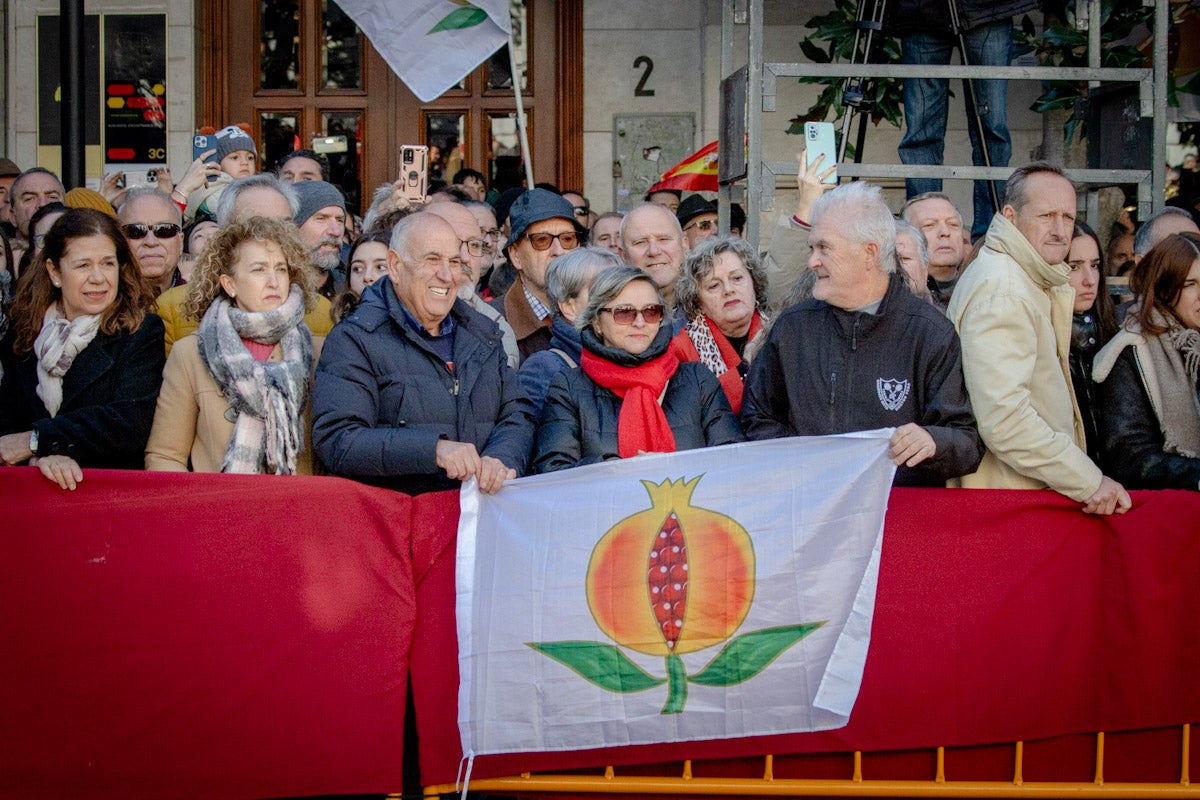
(700, 595)
(696, 173)
(432, 46)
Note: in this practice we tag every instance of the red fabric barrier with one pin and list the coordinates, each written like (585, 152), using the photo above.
(1000, 616)
(213, 636)
(201, 636)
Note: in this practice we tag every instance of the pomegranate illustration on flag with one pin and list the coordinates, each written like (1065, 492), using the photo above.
(669, 580)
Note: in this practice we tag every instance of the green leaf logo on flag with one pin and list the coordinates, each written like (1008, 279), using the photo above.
(466, 17)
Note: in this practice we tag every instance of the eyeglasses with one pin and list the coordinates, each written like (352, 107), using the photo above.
(705, 225)
(625, 315)
(542, 241)
(475, 247)
(582, 211)
(161, 230)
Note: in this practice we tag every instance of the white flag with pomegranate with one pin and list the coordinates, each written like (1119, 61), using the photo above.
(432, 44)
(701, 595)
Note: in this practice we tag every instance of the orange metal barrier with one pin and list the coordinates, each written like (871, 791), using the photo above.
(856, 785)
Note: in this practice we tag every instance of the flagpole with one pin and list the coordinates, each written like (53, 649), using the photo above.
(516, 80)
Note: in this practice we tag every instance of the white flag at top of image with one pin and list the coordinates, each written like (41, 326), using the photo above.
(432, 44)
(706, 594)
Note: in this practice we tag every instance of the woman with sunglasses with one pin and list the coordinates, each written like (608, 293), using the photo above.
(83, 358)
(631, 394)
(234, 393)
(722, 290)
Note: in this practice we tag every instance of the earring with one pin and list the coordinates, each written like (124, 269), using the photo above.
(57, 285)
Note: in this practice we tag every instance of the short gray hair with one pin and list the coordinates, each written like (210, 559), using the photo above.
(1144, 239)
(1015, 192)
(264, 180)
(607, 285)
(150, 191)
(699, 264)
(863, 217)
(572, 272)
(923, 196)
(918, 237)
(663, 209)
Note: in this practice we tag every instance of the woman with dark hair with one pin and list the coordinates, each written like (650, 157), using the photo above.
(235, 392)
(1149, 372)
(722, 291)
(368, 263)
(1094, 323)
(631, 394)
(83, 357)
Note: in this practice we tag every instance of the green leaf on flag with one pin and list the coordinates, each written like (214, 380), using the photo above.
(602, 664)
(459, 18)
(750, 653)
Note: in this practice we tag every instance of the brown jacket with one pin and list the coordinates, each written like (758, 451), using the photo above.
(191, 429)
(532, 334)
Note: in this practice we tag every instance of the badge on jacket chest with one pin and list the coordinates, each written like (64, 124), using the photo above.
(892, 393)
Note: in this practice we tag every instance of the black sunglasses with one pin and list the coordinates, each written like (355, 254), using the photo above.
(161, 230)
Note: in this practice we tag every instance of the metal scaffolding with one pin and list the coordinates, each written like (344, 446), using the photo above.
(762, 80)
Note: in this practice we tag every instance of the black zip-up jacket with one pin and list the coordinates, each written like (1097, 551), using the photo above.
(825, 371)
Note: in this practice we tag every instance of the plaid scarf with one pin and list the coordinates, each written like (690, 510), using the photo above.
(268, 396)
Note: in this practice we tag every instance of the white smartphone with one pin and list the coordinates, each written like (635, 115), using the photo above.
(819, 140)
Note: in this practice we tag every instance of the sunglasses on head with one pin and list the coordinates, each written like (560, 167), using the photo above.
(625, 315)
(582, 211)
(542, 241)
(161, 230)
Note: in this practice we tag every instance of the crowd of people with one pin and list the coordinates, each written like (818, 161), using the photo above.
(250, 323)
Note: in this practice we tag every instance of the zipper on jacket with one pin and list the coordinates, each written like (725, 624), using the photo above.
(854, 333)
(454, 389)
(832, 387)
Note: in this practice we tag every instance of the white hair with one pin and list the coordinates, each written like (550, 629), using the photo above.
(862, 217)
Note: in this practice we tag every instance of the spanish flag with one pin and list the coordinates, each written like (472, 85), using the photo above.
(696, 173)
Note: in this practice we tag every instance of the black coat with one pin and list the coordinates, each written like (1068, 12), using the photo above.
(825, 371)
(382, 398)
(1133, 440)
(933, 16)
(579, 419)
(109, 394)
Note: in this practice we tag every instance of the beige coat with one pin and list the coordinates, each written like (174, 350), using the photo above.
(194, 422)
(1013, 314)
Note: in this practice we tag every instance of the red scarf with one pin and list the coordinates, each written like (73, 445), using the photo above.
(730, 379)
(641, 425)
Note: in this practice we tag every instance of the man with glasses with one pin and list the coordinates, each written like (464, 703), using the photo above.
(698, 218)
(543, 227)
(153, 226)
(582, 206)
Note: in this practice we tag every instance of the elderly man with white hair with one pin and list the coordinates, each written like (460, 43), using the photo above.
(864, 352)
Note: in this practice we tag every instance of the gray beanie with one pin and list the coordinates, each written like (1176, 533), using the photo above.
(315, 195)
(230, 140)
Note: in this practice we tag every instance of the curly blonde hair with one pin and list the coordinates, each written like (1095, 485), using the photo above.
(221, 251)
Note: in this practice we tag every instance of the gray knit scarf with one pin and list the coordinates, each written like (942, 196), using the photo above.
(1176, 358)
(269, 396)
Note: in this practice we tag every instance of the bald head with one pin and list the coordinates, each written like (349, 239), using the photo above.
(652, 241)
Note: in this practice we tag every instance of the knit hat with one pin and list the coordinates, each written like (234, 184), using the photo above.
(82, 197)
(230, 140)
(693, 206)
(315, 195)
(537, 205)
(8, 168)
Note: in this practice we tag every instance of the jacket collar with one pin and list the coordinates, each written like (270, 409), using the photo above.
(518, 313)
(1004, 237)
(92, 363)
(860, 323)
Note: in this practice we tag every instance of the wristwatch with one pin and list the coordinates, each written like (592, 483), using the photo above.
(33, 442)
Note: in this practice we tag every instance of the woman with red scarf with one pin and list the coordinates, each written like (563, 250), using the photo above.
(721, 290)
(631, 393)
